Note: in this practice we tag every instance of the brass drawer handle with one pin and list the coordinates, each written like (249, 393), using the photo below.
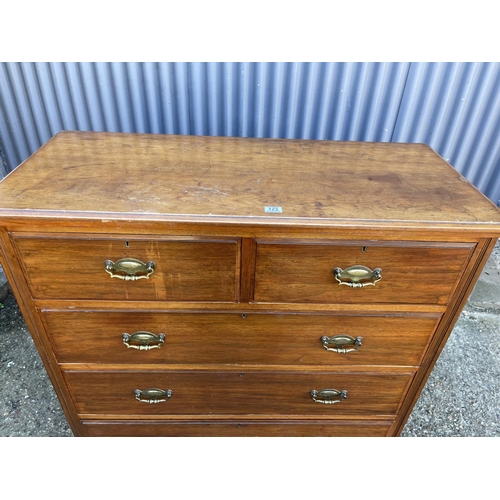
(143, 341)
(130, 269)
(339, 341)
(328, 396)
(152, 396)
(357, 273)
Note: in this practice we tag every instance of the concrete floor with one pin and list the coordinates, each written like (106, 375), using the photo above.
(461, 397)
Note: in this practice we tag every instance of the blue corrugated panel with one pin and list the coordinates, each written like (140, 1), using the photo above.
(453, 107)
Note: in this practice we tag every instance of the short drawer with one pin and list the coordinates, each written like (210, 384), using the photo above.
(243, 428)
(190, 269)
(239, 392)
(227, 338)
(371, 272)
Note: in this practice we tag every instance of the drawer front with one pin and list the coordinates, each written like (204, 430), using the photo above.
(241, 428)
(235, 392)
(216, 338)
(193, 269)
(411, 273)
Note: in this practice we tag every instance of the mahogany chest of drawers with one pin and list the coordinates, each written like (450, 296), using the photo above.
(207, 286)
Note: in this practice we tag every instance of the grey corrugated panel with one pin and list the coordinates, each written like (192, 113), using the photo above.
(294, 100)
(453, 107)
(13, 137)
(7, 142)
(3, 165)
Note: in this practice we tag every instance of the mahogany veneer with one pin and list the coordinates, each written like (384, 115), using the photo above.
(257, 271)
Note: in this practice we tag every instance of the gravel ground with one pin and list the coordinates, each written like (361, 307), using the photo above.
(462, 394)
(461, 397)
(28, 402)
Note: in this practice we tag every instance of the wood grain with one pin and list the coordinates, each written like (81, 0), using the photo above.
(30, 314)
(411, 273)
(275, 339)
(237, 392)
(185, 270)
(239, 428)
(220, 177)
(473, 271)
(243, 296)
(248, 252)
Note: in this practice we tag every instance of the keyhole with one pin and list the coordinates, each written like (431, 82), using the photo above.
(127, 244)
(363, 249)
(243, 316)
(241, 374)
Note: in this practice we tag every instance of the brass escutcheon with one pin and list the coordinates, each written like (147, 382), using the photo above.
(153, 396)
(328, 396)
(129, 269)
(143, 341)
(356, 274)
(339, 341)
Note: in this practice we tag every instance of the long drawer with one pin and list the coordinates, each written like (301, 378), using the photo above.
(237, 428)
(235, 392)
(370, 272)
(219, 338)
(192, 269)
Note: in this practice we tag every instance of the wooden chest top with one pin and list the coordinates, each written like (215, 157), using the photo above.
(228, 179)
(227, 254)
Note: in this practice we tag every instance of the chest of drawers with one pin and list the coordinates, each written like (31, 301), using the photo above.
(204, 286)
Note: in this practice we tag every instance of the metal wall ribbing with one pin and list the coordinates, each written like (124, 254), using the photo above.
(453, 107)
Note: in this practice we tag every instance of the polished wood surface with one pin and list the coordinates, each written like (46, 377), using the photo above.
(241, 428)
(236, 392)
(242, 295)
(221, 178)
(60, 268)
(285, 339)
(411, 273)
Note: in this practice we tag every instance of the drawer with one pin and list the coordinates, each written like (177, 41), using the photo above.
(227, 338)
(235, 392)
(237, 428)
(411, 273)
(191, 269)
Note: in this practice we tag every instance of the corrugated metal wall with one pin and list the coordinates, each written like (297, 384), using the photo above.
(453, 107)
